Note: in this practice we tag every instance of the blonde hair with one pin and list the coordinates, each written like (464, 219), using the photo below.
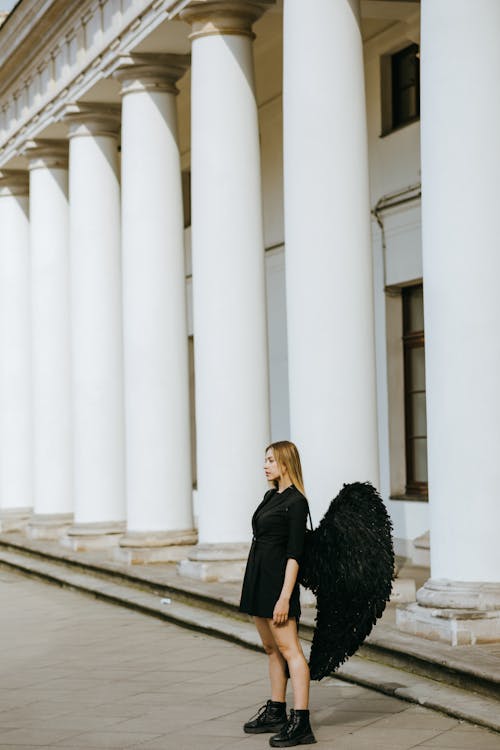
(286, 454)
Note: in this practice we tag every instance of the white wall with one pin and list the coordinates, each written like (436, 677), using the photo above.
(394, 166)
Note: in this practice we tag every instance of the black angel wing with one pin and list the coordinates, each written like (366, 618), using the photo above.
(348, 563)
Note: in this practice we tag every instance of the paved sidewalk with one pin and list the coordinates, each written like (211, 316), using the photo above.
(78, 673)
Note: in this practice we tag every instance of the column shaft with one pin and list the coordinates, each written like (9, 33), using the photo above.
(329, 280)
(49, 247)
(16, 442)
(158, 476)
(461, 263)
(232, 406)
(96, 313)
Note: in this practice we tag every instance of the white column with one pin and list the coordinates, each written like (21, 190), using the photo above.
(232, 409)
(97, 351)
(329, 277)
(460, 168)
(158, 453)
(16, 457)
(49, 250)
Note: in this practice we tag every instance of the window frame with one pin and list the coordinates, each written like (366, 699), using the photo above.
(411, 340)
(388, 121)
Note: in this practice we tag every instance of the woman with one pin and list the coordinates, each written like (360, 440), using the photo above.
(271, 594)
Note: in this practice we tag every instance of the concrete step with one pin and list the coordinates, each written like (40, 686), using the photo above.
(434, 660)
(147, 599)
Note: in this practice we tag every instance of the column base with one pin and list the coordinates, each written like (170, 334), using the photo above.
(14, 519)
(422, 550)
(48, 526)
(307, 598)
(215, 562)
(139, 548)
(454, 612)
(403, 591)
(89, 536)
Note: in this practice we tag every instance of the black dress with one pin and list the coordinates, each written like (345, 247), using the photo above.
(279, 526)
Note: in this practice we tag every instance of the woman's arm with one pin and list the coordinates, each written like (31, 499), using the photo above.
(280, 613)
(297, 520)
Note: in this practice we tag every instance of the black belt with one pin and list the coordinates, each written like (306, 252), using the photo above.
(268, 542)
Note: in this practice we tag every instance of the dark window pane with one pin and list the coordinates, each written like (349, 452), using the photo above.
(420, 460)
(414, 309)
(419, 414)
(186, 197)
(415, 398)
(416, 357)
(405, 69)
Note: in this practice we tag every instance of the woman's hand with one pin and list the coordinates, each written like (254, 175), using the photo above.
(280, 613)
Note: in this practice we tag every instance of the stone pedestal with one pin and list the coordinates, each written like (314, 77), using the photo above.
(458, 613)
(421, 547)
(155, 547)
(14, 519)
(48, 526)
(216, 562)
(90, 536)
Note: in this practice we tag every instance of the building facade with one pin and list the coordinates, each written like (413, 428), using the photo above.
(217, 220)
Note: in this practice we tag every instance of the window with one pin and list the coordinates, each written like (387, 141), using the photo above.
(400, 76)
(414, 390)
(186, 196)
(192, 410)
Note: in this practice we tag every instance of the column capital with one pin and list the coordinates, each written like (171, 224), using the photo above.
(92, 119)
(234, 17)
(151, 72)
(13, 182)
(46, 153)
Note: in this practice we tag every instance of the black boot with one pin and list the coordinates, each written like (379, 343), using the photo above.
(269, 718)
(296, 732)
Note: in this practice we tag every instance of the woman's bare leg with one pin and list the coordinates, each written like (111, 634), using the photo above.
(287, 639)
(277, 664)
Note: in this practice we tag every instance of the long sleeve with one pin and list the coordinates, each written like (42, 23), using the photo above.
(297, 528)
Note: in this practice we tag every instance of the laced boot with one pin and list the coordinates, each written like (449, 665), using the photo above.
(296, 732)
(269, 718)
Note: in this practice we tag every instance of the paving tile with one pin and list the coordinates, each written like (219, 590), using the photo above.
(407, 720)
(377, 703)
(177, 741)
(481, 739)
(35, 736)
(118, 740)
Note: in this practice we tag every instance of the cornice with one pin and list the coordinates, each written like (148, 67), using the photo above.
(53, 52)
(17, 45)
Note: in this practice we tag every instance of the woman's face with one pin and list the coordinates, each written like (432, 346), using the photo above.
(271, 467)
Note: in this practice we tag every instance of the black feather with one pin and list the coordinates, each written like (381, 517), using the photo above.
(348, 563)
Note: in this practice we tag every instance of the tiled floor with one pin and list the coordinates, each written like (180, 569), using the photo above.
(78, 673)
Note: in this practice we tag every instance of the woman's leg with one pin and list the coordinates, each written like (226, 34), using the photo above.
(277, 664)
(287, 639)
